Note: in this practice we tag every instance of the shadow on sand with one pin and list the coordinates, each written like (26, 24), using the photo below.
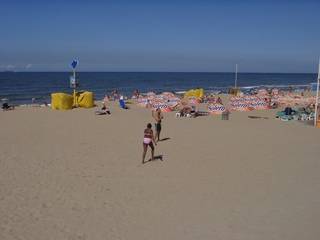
(164, 139)
(309, 123)
(158, 157)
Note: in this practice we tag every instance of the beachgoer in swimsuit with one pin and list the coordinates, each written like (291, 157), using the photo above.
(6, 107)
(136, 94)
(157, 115)
(148, 140)
(104, 110)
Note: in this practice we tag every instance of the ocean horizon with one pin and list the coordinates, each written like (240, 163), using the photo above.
(21, 87)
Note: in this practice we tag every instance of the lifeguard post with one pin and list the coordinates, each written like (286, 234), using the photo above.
(74, 82)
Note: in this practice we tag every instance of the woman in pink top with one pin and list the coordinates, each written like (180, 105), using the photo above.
(148, 140)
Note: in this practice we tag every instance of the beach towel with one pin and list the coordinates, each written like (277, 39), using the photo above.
(286, 118)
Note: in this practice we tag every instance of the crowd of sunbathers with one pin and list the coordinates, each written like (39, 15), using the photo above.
(212, 99)
(302, 113)
(115, 96)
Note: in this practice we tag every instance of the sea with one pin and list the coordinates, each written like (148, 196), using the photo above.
(28, 87)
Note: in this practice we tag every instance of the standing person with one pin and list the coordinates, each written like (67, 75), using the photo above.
(136, 94)
(157, 115)
(148, 140)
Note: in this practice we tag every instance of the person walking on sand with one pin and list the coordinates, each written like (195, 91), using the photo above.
(158, 116)
(148, 140)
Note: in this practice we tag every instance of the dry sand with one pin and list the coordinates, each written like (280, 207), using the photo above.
(75, 175)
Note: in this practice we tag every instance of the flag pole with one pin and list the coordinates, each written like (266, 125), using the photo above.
(236, 77)
(74, 84)
(317, 97)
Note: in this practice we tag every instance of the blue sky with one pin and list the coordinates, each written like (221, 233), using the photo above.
(261, 36)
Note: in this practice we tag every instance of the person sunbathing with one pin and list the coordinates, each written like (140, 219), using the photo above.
(289, 111)
(309, 109)
(185, 110)
(273, 105)
(104, 110)
(188, 111)
(122, 103)
(7, 107)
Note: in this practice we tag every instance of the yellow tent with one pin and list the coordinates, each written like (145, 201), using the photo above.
(85, 100)
(61, 101)
(198, 93)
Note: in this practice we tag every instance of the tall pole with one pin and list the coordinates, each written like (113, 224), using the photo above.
(236, 77)
(75, 103)
(74, 64)
(317, 97)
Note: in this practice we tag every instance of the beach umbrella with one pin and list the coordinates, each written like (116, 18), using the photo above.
(317, 97)
(216, 108)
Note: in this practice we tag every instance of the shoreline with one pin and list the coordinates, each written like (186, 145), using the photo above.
(214, 90)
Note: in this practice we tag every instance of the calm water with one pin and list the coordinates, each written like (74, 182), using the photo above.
(21, 87)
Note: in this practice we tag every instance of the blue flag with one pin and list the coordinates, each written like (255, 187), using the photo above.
(74, 64)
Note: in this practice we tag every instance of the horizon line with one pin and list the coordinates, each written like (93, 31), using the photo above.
(15, 71)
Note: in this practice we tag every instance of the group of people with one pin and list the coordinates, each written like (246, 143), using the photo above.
(212, 99)
(114, 97)
(187, 111)
(149, 137)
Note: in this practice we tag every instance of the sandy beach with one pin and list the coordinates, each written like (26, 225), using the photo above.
(75, 175)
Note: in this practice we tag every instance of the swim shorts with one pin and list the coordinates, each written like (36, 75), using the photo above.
(158, 127)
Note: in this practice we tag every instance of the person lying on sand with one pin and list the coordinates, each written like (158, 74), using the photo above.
(148, 140)
(104, 110)
(185, 110)
(188, 111)
(289, 111)
(7, 107)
